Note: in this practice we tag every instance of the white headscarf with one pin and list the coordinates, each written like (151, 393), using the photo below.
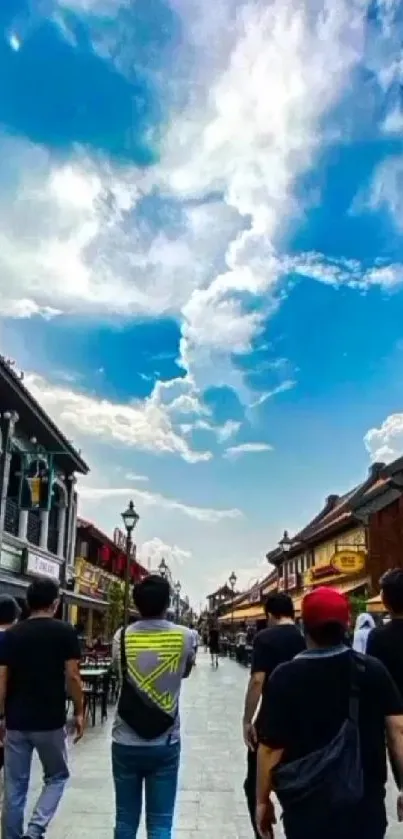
(363, 626)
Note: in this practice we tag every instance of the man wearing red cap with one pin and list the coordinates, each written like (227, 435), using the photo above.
(326, 710)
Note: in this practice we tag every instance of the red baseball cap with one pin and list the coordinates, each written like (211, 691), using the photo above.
(325, 605)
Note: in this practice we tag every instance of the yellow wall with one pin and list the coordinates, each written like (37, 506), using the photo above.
(353, 538)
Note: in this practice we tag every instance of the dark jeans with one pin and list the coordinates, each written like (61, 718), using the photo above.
(18, 753)
(155, 767)
(364, 821)
(250, 788)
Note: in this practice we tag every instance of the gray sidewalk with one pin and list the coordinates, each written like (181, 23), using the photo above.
(211, 802)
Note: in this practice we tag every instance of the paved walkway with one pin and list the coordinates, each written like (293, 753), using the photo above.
(211, 802)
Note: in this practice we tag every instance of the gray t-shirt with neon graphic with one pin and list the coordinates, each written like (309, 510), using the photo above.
(158, 655)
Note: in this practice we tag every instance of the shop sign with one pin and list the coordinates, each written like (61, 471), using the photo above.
(348, 562)
(39, 566)
(120, 540)
(94, 581)
(11, 560)
(320, 574)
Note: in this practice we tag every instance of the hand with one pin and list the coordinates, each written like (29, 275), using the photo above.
(79, 725)
(265, 819)
(249, 736)
(400, 807)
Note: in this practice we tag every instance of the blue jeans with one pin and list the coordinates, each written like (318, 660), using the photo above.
(18, 751)
(157, 767)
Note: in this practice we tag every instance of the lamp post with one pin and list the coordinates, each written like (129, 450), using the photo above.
(178, 600)
(232, 582)
(130, 518)
(285, 545)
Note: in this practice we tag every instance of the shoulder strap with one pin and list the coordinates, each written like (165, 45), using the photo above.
(357, 669)
(123, 659)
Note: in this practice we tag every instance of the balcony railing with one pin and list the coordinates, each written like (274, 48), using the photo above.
(11, 517)
(34, 527)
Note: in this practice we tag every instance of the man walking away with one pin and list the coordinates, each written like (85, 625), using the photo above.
(9, 614)
(386, 642)
(322, 736)
(153, 656)
(280, 642)
(363, 626)
(38, 659)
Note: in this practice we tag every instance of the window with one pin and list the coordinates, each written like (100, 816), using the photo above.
(83, 550)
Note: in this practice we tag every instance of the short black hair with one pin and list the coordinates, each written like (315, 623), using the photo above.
(9, 610)
(152, 596)
(279, 605)
(41, 594)
(327, 634)
(392, 589)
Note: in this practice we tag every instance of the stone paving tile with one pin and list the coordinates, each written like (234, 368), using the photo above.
(210, 801)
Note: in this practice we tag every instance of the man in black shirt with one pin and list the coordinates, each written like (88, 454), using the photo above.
(303, 711)
(386, 642)
(280, 642)
(38, 659)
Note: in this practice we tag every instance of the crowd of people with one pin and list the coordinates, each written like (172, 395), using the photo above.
(321, 715)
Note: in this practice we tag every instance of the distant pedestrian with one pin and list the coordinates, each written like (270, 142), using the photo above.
(385, 642)
(153, 656)
(214, 643)
(363, 626)
(323, 728)
(279, 642)
(39, 658)
(195, 635)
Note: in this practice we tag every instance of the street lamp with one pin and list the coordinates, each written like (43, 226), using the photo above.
(163, 568)
(285, 545)
(232, 582)
(130, 518)
(178, 596)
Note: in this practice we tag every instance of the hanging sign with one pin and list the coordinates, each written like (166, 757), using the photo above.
(348, 562)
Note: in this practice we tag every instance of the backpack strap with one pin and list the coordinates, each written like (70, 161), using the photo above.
(123, 658)
(357, 669)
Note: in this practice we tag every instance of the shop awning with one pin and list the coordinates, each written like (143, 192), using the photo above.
(84, 600)
(239, 615)
(344, 588)
(375, 604)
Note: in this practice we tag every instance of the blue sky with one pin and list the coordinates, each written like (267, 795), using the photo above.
(201, 257)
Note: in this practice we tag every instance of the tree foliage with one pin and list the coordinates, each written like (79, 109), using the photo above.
(115, 608)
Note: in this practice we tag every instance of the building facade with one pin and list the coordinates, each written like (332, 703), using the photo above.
(99, 573)
(38, 500)
(332, 550)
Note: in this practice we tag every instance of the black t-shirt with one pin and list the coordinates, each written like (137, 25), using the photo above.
(35, 653)
(308, 701)
(386, 644)
(274, 646)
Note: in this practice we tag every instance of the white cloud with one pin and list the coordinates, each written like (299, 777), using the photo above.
(206, 515)
(288, 384)
(247, 448)
(141, 425)
(386, 442)
(387, 189)
(340, 271)
(131, 476)
(151, 552)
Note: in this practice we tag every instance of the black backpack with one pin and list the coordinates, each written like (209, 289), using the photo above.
(332, 774)
(147, 720)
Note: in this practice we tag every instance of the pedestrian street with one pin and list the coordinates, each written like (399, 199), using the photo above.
(210, 802)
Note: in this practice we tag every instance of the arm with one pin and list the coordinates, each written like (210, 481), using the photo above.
(190, 655)
(260, 670)
(267, 760)
(394, 735)
(274, 716)
(3, 688)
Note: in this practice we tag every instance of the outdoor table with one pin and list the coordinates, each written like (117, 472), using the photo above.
(94, 676)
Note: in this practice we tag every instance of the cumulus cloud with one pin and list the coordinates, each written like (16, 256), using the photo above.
(387, 189)
(385, 443)
(151, 552)
(229, 162)
(153, 499)
(233, 452)
(142, 425)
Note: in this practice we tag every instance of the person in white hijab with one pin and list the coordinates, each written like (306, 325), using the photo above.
(363, 626)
